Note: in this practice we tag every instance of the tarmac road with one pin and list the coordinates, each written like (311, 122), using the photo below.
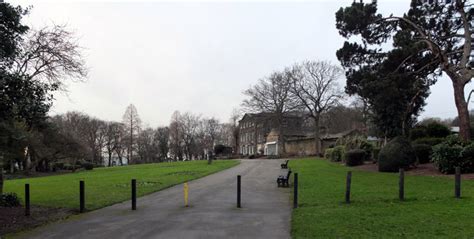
(265, 212)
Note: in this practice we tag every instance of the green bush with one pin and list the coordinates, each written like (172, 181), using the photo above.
(88, 166)
(398, 153)
(367, 147)
(446, 157)
(437, 130)
(453, 140)
(375, 154)
(423, 152)
(418, 132)
(338, 153)
(9, 200)
(355, 157)
(58, 166)
(429, 141)
(328, 153)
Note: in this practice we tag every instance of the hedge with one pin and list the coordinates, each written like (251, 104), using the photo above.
(398, 153)
(355, 157)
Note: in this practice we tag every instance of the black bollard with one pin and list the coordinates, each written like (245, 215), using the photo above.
(134, 194)
(348, 187)
(82, 197)
(295, 191)
(457, 183)
(27, 199)
(401, 185)
(238, 190)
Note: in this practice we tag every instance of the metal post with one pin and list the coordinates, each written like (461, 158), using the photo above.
(134, 194)
(457, 183)
(348, 187)
(27, 199)
(295, 191)
(82, 197)
(401, 185)
(238, 190)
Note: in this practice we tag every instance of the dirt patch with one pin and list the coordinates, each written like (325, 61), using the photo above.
(423, 169)
(14, 220)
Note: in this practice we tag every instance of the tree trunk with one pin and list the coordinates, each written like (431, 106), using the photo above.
(110, 159)
(281, 137)
(317, 136)
(463, 112)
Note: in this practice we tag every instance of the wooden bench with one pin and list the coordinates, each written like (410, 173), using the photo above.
(283, 181)
(285, 165)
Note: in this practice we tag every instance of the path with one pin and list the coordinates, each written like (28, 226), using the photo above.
(265, 211)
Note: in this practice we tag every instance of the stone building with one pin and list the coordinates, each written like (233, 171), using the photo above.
(255, 129)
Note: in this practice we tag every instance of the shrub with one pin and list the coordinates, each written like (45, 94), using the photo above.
(9, 200)
(423, 152)
(446, 157)
(338, 153)
(88, 166)
(58, 166)
(437, 130)
(453, 140)
(328, 153)
(375, 154)
(355, 157)
(418, 132)
(429, 141)
(398, 153)
(367, 148)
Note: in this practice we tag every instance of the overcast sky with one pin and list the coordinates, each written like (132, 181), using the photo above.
(195, 56)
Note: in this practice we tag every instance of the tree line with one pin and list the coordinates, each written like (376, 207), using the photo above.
(77, 137)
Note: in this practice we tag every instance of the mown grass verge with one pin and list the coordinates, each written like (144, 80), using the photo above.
(107, 186)
(429, 211)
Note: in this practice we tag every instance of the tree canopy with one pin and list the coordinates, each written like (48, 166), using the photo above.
(427, 41)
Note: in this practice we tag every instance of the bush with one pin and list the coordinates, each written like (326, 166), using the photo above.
(429, 141)
(423, 152)
(367, 148)
(418, 132)
(446, 157)
(338, 153)
(437, 130)
(453, 140)
(355, 157)
(58, 166)
(375, 154)
(398, 153)
(88, 166)
(9, 200)
(328, 153)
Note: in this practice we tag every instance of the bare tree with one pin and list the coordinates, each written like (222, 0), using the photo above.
(175, 134)
(274, 95)
(235, 116)
(314, 83)
(121, 146)
(162, 136)
(147, 149)
(189, 128)
(95, 136)
(50, 54)
(132, 123)
(112, 139)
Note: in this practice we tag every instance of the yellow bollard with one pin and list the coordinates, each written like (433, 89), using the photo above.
(186, 189)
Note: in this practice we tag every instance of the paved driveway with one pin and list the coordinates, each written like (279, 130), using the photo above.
(265, 211)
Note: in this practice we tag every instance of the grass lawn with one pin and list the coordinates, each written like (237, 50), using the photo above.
(106, 186)
(430, 209)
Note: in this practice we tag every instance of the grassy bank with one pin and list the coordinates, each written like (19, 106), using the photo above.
(430, 209)
(106, 186)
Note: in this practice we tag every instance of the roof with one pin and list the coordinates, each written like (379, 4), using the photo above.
(328, 136)
(269, 114)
